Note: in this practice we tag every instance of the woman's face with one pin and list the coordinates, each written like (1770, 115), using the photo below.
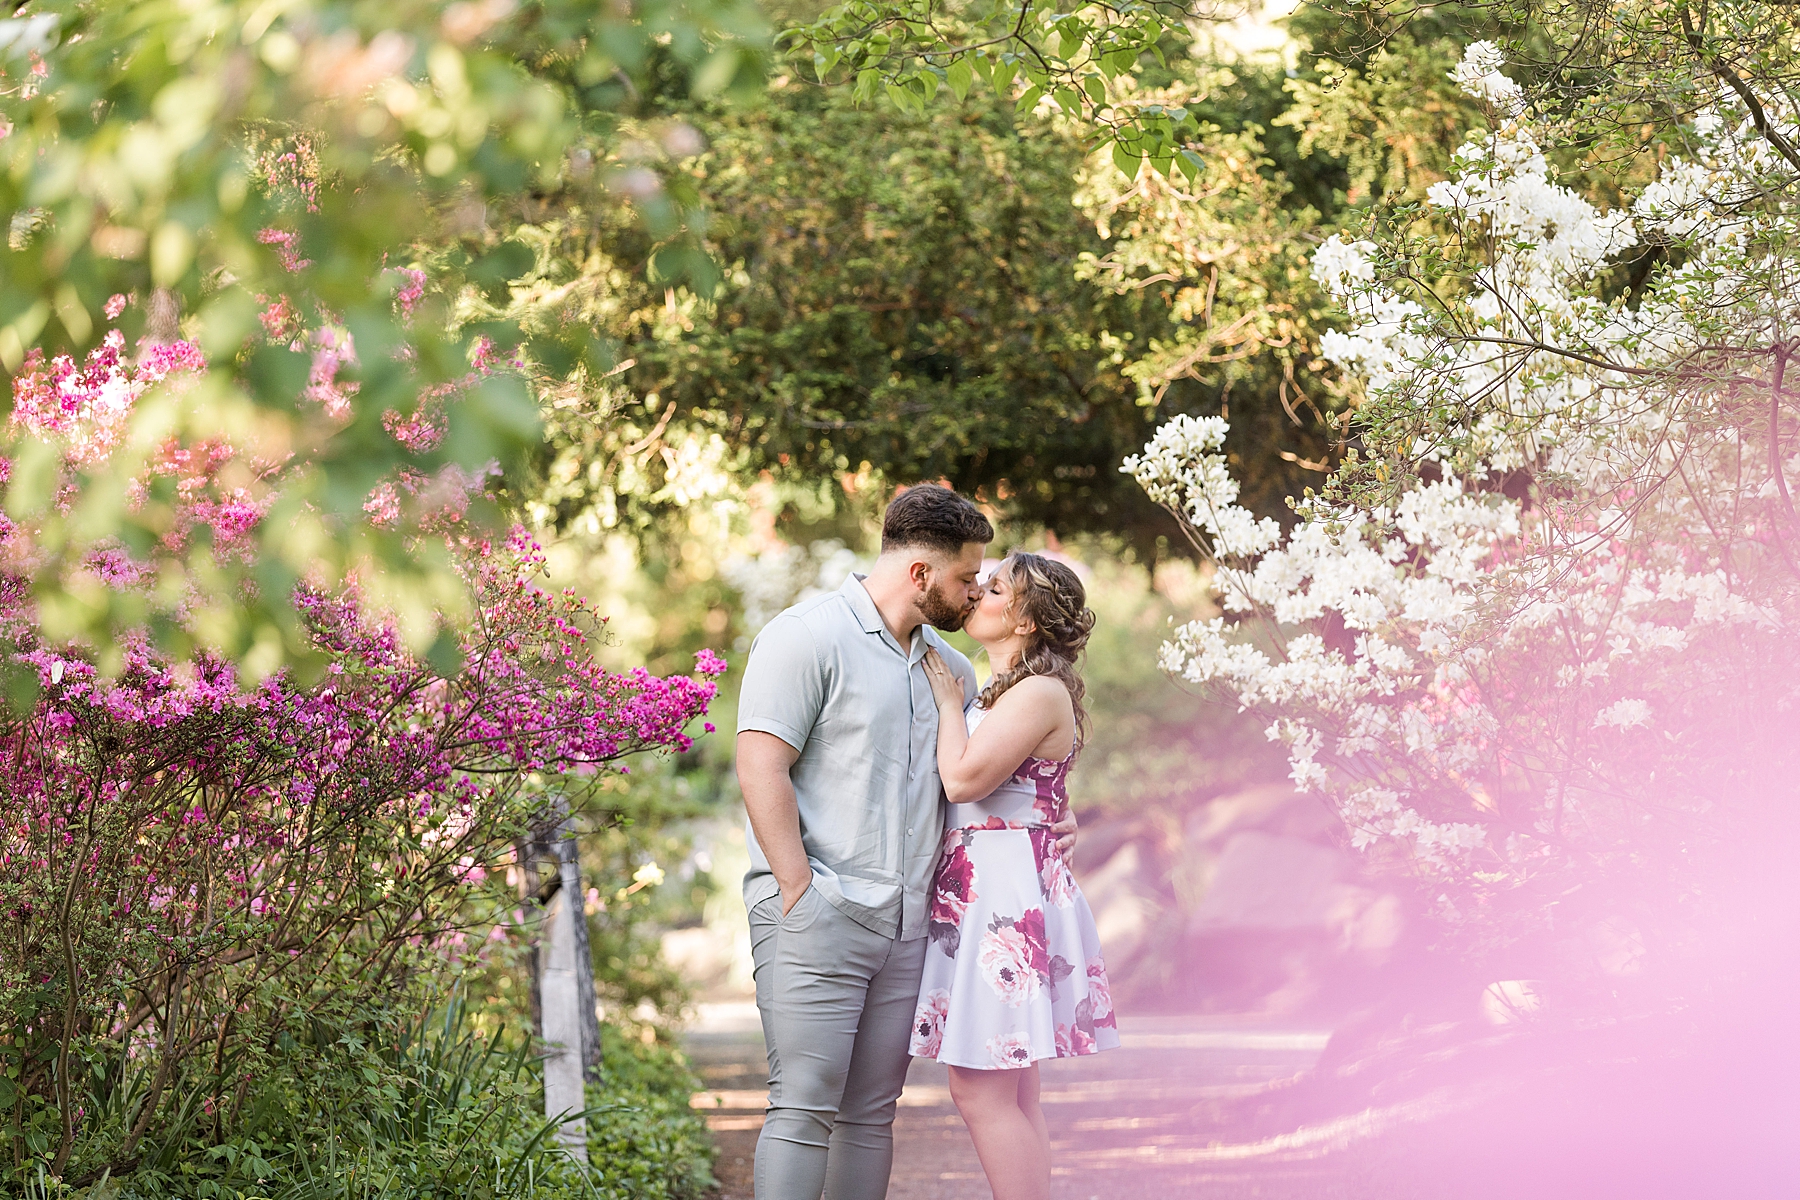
(993, 619)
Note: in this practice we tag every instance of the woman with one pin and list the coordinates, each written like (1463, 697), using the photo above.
(1013, 973)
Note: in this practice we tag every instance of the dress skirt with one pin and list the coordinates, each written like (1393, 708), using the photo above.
(1014, 972)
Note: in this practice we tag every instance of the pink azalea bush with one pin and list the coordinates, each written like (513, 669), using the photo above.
(191, 859)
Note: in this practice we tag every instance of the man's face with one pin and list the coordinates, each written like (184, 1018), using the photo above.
(953, 587)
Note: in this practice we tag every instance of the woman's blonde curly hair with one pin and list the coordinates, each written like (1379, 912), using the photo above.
(1049, 595)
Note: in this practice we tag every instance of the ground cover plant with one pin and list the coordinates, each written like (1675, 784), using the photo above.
(429, 1105)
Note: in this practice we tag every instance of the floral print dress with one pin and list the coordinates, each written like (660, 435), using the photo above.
(1013, 973)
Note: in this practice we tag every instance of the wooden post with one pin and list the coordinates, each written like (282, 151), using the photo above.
(564, 1005)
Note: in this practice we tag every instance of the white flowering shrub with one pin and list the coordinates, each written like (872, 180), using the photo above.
(1537, 641)
(772, 579)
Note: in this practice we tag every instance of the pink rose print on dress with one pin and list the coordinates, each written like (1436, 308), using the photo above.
(1053, 872)
(952, 889)
(1100, 993)
(1050, 970)
(928, 1024)
(1037, 944)
(1010, 1050)
(1006, 963)
(1052, 801)
(1072, 1041)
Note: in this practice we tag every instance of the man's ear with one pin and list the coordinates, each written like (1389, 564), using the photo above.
(919, 571)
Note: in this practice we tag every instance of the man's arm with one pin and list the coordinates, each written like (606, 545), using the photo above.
(763, 762)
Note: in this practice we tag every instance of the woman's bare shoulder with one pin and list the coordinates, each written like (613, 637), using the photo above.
(1038, 691)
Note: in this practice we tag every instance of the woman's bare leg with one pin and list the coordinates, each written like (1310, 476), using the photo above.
(1014, 1149)
(1028, 1104)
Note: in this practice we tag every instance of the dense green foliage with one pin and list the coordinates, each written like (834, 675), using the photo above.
(970, 293)
(901, 292)
(384, 1105)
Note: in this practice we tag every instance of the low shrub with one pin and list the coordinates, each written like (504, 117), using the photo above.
(421, 1108)
(644, 1139)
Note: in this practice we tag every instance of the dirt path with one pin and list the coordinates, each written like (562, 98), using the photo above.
(1148, 1120)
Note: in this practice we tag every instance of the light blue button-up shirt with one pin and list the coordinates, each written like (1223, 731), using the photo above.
(830, 680)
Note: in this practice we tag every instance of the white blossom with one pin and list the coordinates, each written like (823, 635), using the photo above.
(1479, 75)
(1624, 714)
(1419, 657)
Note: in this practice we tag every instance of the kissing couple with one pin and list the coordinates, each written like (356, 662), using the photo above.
(909, 888)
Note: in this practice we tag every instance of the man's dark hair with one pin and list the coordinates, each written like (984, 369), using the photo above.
(935, 517)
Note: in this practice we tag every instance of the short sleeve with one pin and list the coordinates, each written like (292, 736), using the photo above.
(784, 683)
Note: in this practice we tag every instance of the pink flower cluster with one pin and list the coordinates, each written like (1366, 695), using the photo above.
(287, 248)
(294, 173)
(88, 406)
(333, 350)
(411, 290)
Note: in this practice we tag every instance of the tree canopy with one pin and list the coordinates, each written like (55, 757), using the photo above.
(974, 292)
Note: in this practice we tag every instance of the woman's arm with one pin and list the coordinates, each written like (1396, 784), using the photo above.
(1029, 712)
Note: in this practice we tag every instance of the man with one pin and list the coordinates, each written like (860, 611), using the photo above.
(837, 759)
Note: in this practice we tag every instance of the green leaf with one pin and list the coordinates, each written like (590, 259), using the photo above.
(1029, 100)
(1096, 90)
(445, 657)
(1191, 165)
(866, 81)
(1127, 162)
(34, 477)
(1069, 100)
(823, 61)
(959, 75)
(903, 98)
(716, 72)
(1004, 73)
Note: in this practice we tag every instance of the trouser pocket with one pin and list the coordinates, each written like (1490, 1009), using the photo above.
(804, 912)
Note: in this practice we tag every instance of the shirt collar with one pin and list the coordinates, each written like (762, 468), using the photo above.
(863, 604)
(867, 615)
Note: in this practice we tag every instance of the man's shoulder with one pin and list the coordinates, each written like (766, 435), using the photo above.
(818, 621)
(821, 613)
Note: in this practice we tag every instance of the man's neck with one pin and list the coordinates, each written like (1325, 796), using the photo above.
(893, 594)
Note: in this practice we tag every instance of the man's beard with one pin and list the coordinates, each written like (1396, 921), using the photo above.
(939, 611)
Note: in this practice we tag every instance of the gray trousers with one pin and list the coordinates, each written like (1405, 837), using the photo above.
(837, 1004)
